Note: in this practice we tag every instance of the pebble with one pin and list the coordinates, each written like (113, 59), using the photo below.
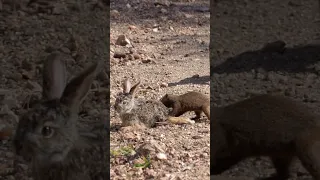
(161, 156)
(34, 86)
(164, 85)
(122, 40)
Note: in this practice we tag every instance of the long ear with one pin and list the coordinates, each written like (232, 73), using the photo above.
(54, 77)
(134, 89)
(126, 86)
(78, 87)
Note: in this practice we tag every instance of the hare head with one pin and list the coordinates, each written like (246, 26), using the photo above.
(125, 100)
(48, 131)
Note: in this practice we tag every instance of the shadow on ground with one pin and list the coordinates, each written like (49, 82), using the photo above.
(193, 80)
(297, 59)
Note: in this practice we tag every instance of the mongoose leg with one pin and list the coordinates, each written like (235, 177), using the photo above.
(281, 164)
(198, 115)
(308, 151)
(206, 111)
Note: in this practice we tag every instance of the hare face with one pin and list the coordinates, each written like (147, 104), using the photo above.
(124, 103)
(48, 132)
(45, 133)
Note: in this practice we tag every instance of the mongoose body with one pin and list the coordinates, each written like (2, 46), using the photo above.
(265, 125)
(191, 101)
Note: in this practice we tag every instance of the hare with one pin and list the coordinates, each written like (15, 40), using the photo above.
(265, 125)
(134, 111)
(49, 136)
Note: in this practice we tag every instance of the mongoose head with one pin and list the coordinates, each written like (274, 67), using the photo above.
(167, 100)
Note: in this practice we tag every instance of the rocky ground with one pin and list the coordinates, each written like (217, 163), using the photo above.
(240, 65)
(30, 31)
(167, 49)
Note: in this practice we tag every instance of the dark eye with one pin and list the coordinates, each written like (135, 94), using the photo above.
(47, 131)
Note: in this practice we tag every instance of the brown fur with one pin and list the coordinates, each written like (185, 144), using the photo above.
(265, 125)
(191, 101)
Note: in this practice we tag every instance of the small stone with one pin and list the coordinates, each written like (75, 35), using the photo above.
(93, 112)
(119, 55)
(164, 11)
(196, 76)
(26, 75)
(196, 137)
(122, 40)
(65, 50)
(136, 56)
(114, 13)
(164, 85)
(80, 57)
(131, 27)
(161, 156)
(146, 60)
(33, 86)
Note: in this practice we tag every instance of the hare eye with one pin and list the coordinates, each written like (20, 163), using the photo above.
(47, 131)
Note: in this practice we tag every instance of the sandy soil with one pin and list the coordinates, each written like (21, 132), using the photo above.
(29, 33)
(239, 29)
(170, 54)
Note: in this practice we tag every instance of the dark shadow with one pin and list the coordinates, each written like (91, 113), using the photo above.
(193, 80)
(298, 59)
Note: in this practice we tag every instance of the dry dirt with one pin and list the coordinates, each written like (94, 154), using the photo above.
(170, 54)
(28, 33)
(239, 29)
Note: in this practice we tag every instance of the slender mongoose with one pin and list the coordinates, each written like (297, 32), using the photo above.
(265, 125)
(191, 101)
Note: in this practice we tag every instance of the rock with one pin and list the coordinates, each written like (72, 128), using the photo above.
(136, 56)
(26, 75)
(122, 40)
(164, 85)
(114, 13)
(161, 156)
(119, 55)
(146, 60)
(34, 86)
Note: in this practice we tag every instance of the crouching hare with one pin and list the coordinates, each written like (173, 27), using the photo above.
(49, 136)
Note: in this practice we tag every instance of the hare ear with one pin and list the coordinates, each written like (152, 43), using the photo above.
(54, 77)
(134, 89)
(126, 86)
(78, 87)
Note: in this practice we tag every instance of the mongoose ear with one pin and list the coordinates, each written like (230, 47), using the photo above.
(54, 77)
(126, 86)
(78, 87)
(134, 89)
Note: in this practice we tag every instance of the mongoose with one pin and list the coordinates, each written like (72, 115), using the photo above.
(265, 125)
(191, 101)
